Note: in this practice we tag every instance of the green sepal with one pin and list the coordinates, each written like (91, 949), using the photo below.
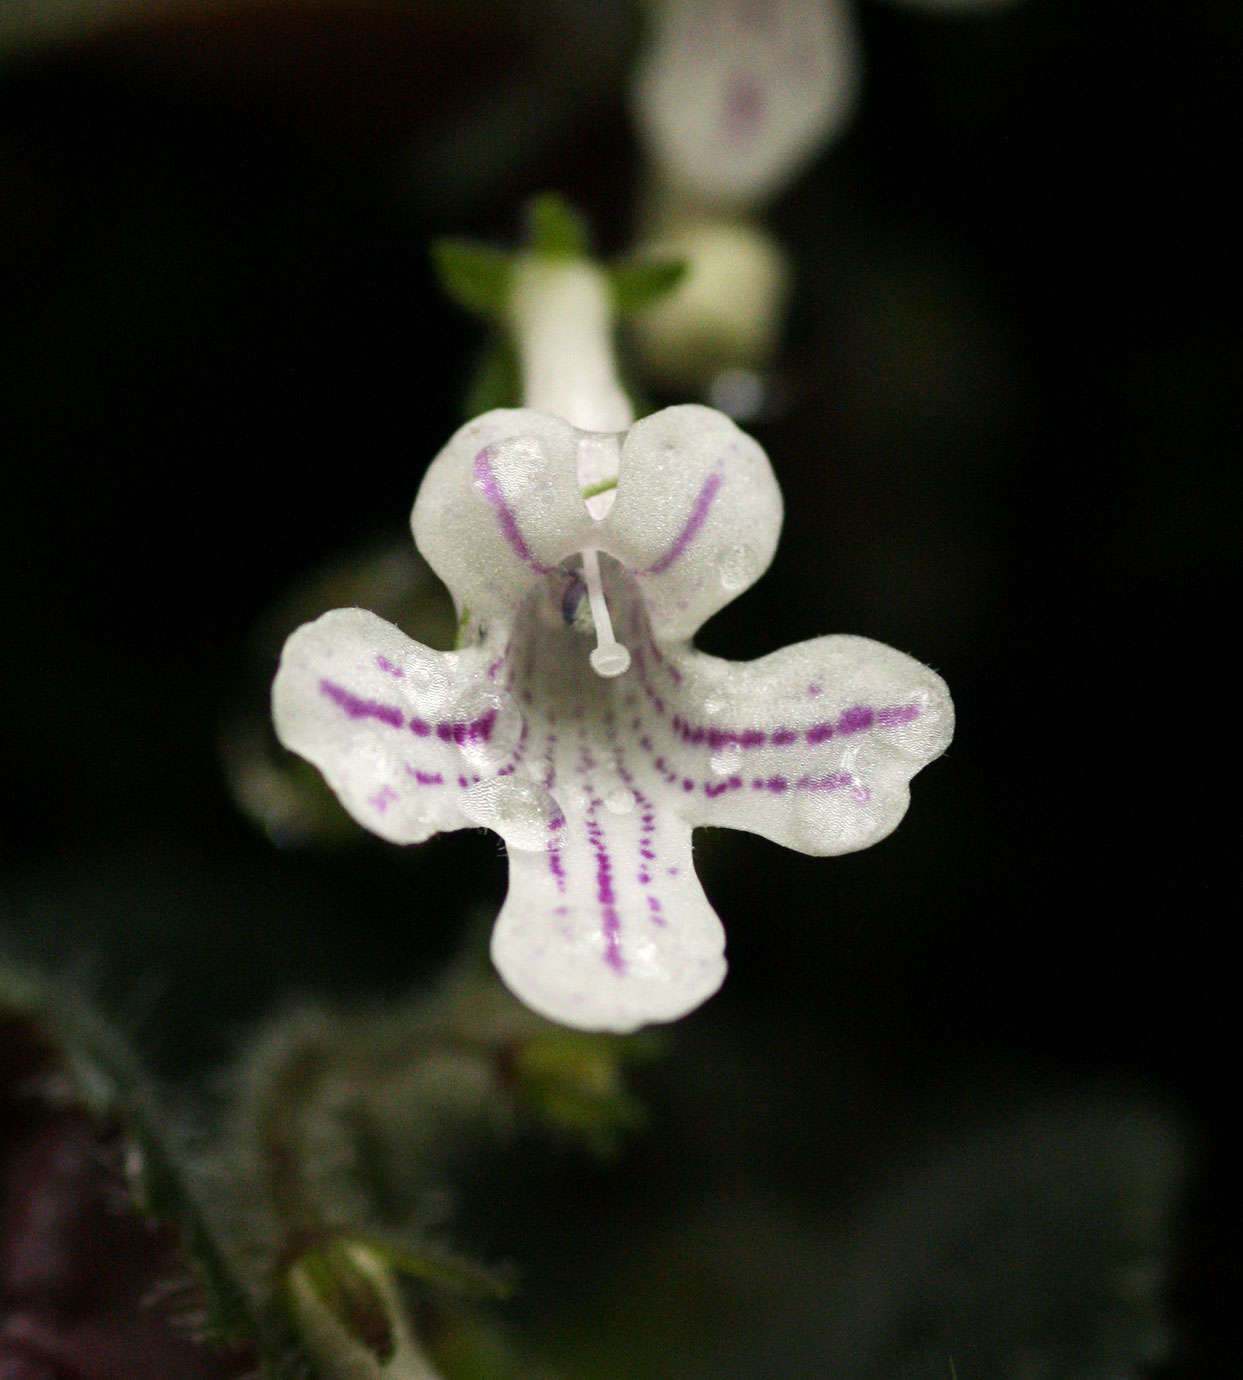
(496, 380)
(555, 229)
(637, 283)
(573, 1083)
(442, 1270)
(348, 1294)
(475, 276)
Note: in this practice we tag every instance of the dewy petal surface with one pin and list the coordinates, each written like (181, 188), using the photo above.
(595, 783)
(400, 732)
(610, 929)
(697, 515)
(813, 746)
(500, 506)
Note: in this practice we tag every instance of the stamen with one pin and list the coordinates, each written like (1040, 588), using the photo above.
(609, 658)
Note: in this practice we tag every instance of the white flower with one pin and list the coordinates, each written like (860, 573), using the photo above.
(595, 777)
(734, 98)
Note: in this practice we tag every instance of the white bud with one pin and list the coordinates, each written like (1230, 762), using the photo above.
(727, 311)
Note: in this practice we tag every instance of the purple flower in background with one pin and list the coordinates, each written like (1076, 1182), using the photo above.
(580, 724)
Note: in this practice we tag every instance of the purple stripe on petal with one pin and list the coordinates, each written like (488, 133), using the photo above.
(467, 731)
(698, 515)
(896, 714)
(358, 708)
(387, 666)
(612, 934)
(485, 479)
(856, 719)
(833, 782)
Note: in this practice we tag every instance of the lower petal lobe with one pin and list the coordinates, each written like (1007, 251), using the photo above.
(610, 928)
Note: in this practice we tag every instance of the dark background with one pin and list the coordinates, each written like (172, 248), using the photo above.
(1007, 435)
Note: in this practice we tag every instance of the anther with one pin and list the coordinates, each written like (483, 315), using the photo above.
(609, 658)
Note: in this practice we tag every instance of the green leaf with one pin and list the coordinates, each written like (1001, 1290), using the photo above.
(475, 276)
(637, 283)
(555, 229)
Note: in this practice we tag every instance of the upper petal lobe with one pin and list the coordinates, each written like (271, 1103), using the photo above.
(697, 515)
(499, 507)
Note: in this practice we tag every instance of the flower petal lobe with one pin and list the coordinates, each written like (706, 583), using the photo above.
(697, 515)
(500, 506)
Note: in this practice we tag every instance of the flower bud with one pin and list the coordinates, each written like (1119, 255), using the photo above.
(349, 1316)
(725, 313)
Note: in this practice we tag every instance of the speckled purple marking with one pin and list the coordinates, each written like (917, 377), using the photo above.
(647, 819)
(485, 478)
(665, 665)
(776, 784)
(388, 668)
(358, 708)
(383, 798)
(698, 515)
(605, 895)
(469, 730)
(855, 719)
(425, 778)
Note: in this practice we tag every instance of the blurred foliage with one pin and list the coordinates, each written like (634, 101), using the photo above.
(338, 1134)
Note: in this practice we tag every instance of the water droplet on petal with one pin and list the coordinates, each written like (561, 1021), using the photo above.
(429, 686)
(727, 761)
(713, 706)
(619, 801)
(736, 566)
(522, 812)
(486, 725)
(514, 464)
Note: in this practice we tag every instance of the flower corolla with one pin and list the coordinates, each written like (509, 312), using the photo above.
(578, 721)
(733, 98)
